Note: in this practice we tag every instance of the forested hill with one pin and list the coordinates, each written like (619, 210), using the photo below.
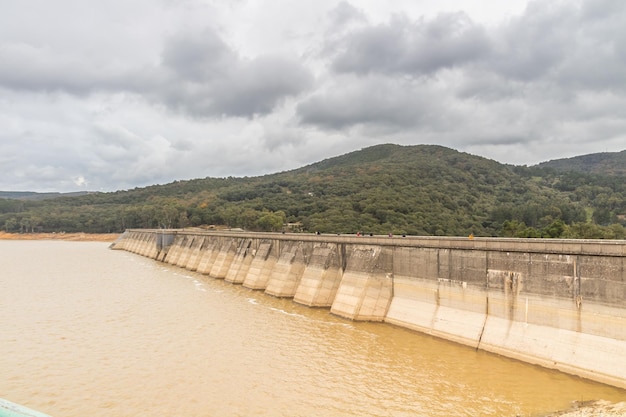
(417, 190)
(604, 163)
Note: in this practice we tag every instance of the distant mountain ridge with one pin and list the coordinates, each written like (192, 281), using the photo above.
(603, 163)
(32, 195)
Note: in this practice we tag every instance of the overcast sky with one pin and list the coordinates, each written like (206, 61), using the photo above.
(117, 94)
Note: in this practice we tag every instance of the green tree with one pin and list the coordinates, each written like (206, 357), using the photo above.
(11, 225)
(271, 221)
(513, 228)
(554, 230)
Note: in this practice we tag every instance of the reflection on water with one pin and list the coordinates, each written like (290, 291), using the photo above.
(91, 332)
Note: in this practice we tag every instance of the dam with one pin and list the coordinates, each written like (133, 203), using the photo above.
(550, 302)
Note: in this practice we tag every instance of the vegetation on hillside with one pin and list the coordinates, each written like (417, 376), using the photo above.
(417, 190)
(604, 163)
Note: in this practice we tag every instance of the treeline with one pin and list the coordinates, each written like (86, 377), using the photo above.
(415, 190)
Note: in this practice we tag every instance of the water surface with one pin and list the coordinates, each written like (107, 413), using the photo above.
(87, 331)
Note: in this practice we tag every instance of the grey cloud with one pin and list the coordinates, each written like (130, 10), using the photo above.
(41, 161)
(39, 68)
(487, 87)
(601, 9)
(276, 137)
(413, 48)
(207, 79)
(597, 58)
(115, 144)
(182, 145)
(260, 85)
(343, 14)
(199, 75)
(369, 101)
(134, 94)
(545, 58)
(576, 45)
(567, 46)
(46, 176)
(200, 57)
(116, 136)
(532, 46)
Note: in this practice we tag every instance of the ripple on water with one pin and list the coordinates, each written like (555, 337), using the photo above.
(89, 331)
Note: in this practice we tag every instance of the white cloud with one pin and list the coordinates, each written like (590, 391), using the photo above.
(80, 181)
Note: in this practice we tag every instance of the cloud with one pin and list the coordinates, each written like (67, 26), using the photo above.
(206, 78)
(40, 68)
(566, 45)
(414, 48)
(343, 15)
(530, 47)
(433, 75)
(126, 94)
(81, 181)
(370, 100)
(260, 85)
(199, 57)
(199, 75)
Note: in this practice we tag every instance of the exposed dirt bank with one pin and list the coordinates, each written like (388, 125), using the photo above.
(77, 237)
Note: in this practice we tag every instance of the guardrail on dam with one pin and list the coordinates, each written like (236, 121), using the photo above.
(555, 303)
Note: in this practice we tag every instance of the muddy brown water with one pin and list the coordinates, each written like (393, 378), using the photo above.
(91, 331)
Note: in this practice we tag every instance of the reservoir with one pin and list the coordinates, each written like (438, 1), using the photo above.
(87, 331)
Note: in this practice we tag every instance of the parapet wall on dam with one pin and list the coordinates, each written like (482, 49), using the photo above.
(555, 303)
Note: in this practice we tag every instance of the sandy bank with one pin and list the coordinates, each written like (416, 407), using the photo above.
(77, 237)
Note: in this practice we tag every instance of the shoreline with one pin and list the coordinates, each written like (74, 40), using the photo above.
(598, 408)
(75, 237)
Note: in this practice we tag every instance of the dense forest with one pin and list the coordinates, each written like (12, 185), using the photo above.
(415, 190)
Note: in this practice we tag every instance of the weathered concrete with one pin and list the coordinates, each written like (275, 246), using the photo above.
(262, 265)
(288, 270)
(224, 258)
(367, 284)
(176, 249)
(322, 276)
(555, 303)
(186, 251)
(241, 263)
(194, 257)
(208, 256)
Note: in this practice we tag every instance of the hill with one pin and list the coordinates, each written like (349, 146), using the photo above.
(417, 190)
(604, 163)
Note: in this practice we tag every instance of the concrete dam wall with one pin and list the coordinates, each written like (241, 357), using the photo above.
(554, 303)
